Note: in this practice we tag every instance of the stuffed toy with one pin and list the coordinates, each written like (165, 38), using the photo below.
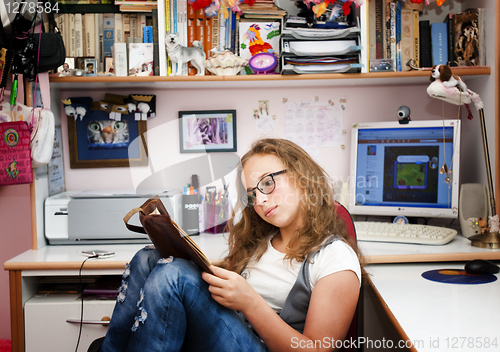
(143, 106)
(483, 225)
(77, 107)
(452, 89)
(444, 73)
(114, 105)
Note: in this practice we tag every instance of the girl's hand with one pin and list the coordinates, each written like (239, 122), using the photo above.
(230, 289)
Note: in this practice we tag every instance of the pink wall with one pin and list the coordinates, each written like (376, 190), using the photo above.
(364, 103)
(15, 238)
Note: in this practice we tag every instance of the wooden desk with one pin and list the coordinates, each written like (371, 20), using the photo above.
(436, 316)
(26, 269)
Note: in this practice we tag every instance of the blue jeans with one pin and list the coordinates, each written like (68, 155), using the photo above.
(164, 305)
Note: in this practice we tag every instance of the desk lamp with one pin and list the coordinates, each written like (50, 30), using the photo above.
(453, 90)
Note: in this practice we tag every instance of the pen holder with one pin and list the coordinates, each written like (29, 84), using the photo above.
(216, 217)
(190, 219)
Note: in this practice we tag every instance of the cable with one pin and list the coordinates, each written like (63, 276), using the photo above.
(81, 310)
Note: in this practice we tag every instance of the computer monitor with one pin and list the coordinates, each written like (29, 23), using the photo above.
(396, 169)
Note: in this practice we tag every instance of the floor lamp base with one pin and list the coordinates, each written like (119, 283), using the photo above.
(489, 240)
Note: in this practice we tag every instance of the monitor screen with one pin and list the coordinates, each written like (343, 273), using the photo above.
(398, 169)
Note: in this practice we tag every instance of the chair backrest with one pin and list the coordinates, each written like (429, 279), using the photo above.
(344, 214)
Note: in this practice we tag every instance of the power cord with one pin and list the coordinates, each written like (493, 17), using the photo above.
(81, 310)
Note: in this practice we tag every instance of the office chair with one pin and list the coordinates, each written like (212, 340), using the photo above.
(355, 328)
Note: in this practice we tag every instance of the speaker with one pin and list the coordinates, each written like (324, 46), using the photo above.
(473, 204)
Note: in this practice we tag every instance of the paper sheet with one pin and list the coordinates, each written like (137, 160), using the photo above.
(313, 125)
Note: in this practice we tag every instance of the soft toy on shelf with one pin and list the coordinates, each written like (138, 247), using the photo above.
(77, 107)
(143, 106)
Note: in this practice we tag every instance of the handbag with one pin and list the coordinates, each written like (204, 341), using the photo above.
(31, 53)
(42, 135)
(48, 50)
(15, 159)
(168, 238)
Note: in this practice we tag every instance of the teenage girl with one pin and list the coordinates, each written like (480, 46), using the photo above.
(290, 282)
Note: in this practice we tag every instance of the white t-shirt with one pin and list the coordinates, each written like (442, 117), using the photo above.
(273, 277)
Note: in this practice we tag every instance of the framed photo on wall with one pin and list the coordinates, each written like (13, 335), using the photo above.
(207, 131)
(96, 141)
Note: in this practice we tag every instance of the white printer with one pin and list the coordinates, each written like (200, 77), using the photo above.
(97, 216)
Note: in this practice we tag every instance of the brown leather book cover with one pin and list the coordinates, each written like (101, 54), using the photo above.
(168, 237)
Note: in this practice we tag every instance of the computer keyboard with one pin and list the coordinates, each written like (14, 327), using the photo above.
(403, 233)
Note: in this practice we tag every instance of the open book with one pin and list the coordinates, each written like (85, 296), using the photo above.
(168, 237)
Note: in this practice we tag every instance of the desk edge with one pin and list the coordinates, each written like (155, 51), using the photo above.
(431, 257)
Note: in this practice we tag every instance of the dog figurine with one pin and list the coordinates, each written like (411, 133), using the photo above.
(180, 54)
(445, 75)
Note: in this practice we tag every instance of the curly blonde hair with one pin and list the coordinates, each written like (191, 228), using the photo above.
(249, 237)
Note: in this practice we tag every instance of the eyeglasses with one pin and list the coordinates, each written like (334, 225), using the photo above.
(266, 185)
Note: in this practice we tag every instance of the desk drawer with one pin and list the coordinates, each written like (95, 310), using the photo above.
(46, 328)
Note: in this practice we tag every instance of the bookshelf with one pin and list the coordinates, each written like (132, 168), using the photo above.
(331, 79)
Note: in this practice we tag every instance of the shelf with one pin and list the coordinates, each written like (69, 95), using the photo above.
(259, 81)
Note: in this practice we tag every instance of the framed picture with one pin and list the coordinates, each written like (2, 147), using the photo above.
(207, 131)
(96, 141)
(80, 63)
(108, 65)
(90, 67)
(66, 69)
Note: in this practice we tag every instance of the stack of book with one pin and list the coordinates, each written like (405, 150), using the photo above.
(136, 5)
(398, 35)
(459, 40)
(394, 35)
(106, 37)
(106, 287)
(262, 10)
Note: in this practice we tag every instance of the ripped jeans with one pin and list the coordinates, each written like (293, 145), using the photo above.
(164, 305)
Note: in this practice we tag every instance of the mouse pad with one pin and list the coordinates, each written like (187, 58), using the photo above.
(457, 276)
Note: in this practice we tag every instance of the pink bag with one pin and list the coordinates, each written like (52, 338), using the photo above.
(15, 155)
(41, 121)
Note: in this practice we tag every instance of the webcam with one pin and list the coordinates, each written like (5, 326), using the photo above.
(404, 114)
